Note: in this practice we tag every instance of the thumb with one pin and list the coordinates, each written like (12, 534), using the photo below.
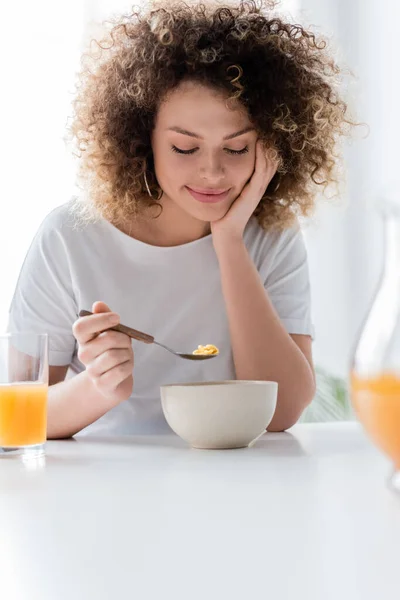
(100, 307)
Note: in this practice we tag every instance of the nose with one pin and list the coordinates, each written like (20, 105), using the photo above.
(211, 168)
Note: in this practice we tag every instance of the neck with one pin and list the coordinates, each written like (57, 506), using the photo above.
(169, 227)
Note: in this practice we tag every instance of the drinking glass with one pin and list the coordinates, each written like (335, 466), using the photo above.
(23, 393)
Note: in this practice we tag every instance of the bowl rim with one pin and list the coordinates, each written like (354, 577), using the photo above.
(221, 382)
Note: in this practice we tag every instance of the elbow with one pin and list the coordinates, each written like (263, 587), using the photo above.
(59, 437)
(283, 425)
(288, 413)
(55, 433)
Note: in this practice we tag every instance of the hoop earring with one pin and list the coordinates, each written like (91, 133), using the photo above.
(160, 193)
(277, 187)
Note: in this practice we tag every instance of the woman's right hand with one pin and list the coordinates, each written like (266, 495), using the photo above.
(107, 355)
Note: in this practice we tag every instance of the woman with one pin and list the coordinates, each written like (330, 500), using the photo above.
(202, 133)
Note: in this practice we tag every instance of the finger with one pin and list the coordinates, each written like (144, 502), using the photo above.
(265, 168)
(262, 160)
(108, 360)
(100, 307)
(110, 380)
(259, 180)
(87, 328)
(271, 160)
(101, 343)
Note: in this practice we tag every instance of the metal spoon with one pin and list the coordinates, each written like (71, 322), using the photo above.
(149, 339)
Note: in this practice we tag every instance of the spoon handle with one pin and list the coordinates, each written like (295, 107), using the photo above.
(133, 333)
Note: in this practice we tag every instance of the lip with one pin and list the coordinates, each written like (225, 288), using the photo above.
(208, 196)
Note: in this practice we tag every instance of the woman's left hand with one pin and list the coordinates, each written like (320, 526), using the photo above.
(232, 225)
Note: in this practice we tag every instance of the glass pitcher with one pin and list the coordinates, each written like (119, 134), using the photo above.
(375, 376)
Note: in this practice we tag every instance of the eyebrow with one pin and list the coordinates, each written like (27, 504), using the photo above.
(194, 135)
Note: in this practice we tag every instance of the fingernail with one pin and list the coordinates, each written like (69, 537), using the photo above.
(113, 319)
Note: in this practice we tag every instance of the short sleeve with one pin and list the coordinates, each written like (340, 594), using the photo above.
(286, 279)
(43, 300)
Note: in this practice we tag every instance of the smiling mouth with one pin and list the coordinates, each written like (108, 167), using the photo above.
(209, 196)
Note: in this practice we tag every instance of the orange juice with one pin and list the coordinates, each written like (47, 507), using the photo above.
(376, 402)
(23, 414)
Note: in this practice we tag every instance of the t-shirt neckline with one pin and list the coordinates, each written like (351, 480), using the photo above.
(150, 250)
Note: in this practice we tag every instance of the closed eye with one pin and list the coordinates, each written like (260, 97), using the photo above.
(193, 150)
(179, 151)
(242, 151)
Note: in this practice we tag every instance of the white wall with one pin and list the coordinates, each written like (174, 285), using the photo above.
(345, 243)
(38, 61)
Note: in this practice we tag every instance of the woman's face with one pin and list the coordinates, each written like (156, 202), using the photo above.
(204, 152)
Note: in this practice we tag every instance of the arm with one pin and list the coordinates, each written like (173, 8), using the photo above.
(73, 404)
(45, 301)
(262, 348)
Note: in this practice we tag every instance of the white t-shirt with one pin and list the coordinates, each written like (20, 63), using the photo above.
(173, 293)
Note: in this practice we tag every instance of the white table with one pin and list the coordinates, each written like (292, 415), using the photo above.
(302, 515)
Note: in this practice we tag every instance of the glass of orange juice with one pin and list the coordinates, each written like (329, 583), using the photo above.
(23, 393)
(375, 376)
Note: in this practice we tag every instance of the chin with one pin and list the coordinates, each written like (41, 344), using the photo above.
(216, 217)
(209, 215)
(210, 212)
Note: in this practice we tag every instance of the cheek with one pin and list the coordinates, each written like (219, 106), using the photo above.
(241, 172)
(171, 169)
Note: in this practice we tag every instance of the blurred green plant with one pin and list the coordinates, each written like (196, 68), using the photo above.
(331, 401)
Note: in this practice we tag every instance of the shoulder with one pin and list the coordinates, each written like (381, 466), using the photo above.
(263, 244)
(63, 224)
(60, 219)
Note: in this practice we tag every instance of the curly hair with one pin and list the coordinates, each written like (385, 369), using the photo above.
(281, 73)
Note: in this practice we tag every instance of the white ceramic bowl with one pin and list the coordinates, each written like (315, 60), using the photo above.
(219, 414)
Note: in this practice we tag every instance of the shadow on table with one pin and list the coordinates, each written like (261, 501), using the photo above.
(153, 441)
(283, 445)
